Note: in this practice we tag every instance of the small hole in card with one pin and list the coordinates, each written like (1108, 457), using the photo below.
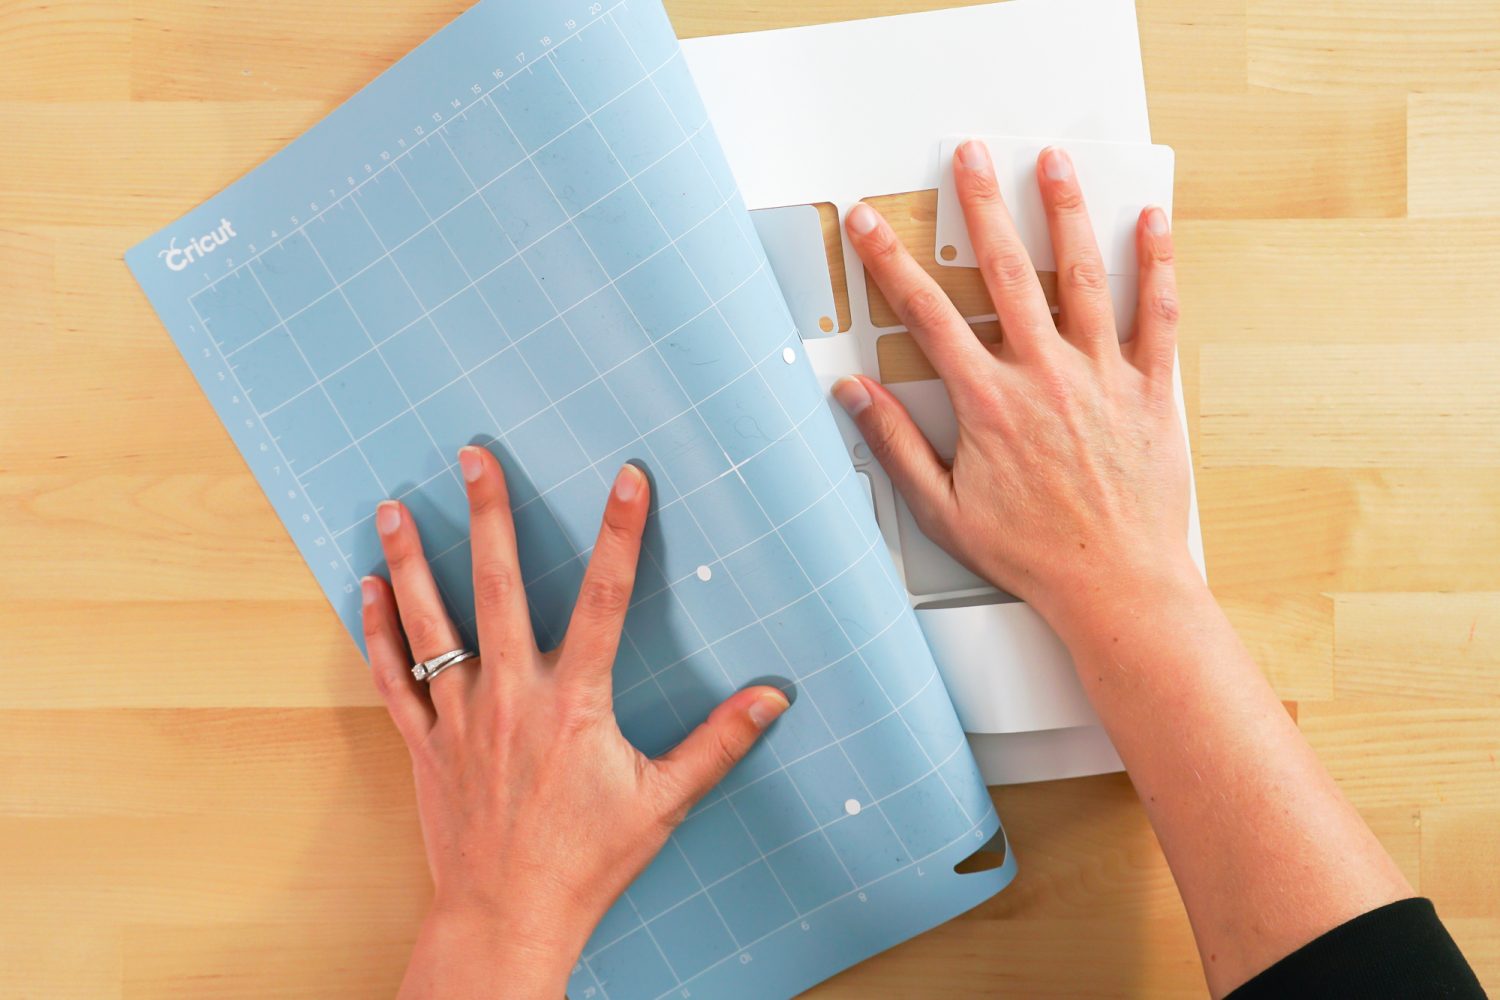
(802, 244)
(949, 252)
(833, 247)
(913, 215)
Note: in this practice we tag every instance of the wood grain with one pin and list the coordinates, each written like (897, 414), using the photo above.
(1453, 138)
(199, 795)
(1373, 45)
(1440, 646)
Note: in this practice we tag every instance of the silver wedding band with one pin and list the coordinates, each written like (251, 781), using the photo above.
(426, 670)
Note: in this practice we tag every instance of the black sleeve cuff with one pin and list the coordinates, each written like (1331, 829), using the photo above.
(1401, 949)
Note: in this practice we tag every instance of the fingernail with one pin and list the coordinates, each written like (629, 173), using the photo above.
(974, 155)
(368, 590)
(628, 482)
(862, 219)
(768, 708)
(1056, 164)
(471, 464)
(852, 395)
(1156, 221)
(388, 517)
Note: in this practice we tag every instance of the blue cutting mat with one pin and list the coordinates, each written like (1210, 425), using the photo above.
(525, 235)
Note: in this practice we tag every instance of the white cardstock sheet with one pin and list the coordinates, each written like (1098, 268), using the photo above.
(841, 112)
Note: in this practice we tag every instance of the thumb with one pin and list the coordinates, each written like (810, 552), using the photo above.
(710, 751)
(896, 442)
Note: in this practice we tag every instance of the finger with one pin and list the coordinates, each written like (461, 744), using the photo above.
(390, 662)
(899, 445)
(1154, 348)
(710, 751)
(499, 597)
(593, 635)
(919, 302)
(1025, 319)
(1088, 315)
(429, 631)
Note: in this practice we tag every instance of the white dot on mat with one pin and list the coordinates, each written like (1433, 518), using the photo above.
(851, 806)
(788, 355)
(705, 574)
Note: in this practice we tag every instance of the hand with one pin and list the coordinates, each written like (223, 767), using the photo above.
(1071, 472)
(535, 810)
(1069, 488)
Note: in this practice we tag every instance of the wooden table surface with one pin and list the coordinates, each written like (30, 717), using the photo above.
(199, 795)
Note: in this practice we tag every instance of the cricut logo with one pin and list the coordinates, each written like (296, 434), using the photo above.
(178, 258)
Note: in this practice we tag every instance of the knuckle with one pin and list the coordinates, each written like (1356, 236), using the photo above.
(606, 595)
(723, 752)
(983, 399)
(500, 716)
(1164, 306)
(673, 816)
(1087, 274)
(884, 249)
(426, 758)
(425, 629)
(1067, 199)
(1055, 387)
(674, 796)
(983, 188)
(1008, 266)
(483, 502)
(386, 681)
(880, 433)
(1162, 252)
(936, 523)
(617, 526)
(402, 556)
(494, 584)
(925, 308)
(988, 401)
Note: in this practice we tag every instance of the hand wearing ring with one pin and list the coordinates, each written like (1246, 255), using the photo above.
(536, 811)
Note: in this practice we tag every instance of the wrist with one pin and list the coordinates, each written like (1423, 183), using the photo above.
(465, 950)
(533, 911)
(1123, 597)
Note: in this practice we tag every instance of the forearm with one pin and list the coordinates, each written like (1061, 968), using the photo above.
(463, 956)
(1266, 851)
